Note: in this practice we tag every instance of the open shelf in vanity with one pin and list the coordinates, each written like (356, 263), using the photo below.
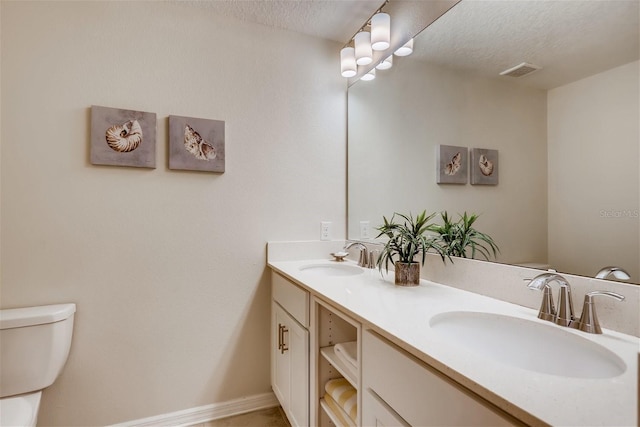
(329, 363)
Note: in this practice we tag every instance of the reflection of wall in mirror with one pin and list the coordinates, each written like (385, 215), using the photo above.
(594, 178)
(593, 188)
(396, 125)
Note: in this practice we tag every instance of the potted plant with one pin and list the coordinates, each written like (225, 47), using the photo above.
(461, 239)
(407, 239)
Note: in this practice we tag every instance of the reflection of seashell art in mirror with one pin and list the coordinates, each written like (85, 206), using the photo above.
(484, 166)
(196, 144)
(123, 137)
(452, 164)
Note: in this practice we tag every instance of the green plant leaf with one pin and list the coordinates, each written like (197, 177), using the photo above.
(407, 238)
(458, 238)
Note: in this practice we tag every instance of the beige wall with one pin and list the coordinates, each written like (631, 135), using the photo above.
(396, 123)
(167, 268)
(594, 181)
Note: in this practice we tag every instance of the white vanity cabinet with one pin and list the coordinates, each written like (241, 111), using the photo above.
(372, 353)
(402, 390)
(290, 349)
(393, 388)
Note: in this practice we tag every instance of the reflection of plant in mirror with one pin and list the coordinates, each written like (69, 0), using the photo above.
(456, 238)
(407, 239)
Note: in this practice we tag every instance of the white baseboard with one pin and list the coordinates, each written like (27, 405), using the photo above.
(202, 414)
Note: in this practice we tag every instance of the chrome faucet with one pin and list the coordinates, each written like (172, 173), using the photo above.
(564, 315)
(618, 273)
(365, 259)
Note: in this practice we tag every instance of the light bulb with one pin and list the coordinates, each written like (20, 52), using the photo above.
(405, 50)
(369, 76)
(348, 62)
(386, 64)
(364, 55)
(380, 31)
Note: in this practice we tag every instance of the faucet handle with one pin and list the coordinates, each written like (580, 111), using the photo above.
(589, 320)
(547, 309)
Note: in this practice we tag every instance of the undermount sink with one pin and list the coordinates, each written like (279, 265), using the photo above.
(529, 345)
(335, 269)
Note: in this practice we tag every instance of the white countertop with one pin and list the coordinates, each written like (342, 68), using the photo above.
(402, 314)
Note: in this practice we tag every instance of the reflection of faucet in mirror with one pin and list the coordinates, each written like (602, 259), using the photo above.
(618, 273)
(564, 315)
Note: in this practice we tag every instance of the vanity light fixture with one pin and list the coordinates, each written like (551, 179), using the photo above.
(374, 34)
(369, 76)
(386, 63)
(405, 50)
(348, 62)
(364, 54)
(380, 31)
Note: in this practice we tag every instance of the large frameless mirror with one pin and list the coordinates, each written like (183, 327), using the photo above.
(566, 135)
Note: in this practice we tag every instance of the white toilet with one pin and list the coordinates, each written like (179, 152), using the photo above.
(34, 345)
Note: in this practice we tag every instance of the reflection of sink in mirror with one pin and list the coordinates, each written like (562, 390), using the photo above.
(529, 345)
(332, 269)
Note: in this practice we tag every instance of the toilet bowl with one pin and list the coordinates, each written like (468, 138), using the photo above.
(35, 346)
(21, 410)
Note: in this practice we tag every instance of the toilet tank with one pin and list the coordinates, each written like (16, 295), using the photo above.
(34, 345)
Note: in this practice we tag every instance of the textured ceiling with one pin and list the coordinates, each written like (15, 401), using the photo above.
(570, 39)
(336, 20)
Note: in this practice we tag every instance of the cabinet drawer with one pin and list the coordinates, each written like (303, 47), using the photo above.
(291, 297)
(378, 413)
(418, 393)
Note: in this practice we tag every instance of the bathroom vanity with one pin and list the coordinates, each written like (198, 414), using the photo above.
(414, 365)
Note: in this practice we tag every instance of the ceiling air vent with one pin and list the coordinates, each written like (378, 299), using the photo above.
(520, 70)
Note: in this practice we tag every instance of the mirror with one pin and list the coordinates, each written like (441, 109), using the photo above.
(567, 135)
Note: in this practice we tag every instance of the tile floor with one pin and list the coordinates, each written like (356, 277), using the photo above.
(271, 417)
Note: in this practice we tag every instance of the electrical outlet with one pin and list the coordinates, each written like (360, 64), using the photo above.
(325, 230)
(365, 232)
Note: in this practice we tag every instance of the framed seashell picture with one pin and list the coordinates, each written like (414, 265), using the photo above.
(452, 164)
(484, 166)
(123, 137)
(196, 144)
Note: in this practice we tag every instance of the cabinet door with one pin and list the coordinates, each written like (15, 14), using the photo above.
(290, 366)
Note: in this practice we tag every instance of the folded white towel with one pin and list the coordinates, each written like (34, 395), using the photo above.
(348, 352)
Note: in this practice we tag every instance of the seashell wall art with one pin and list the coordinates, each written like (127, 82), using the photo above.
(123, 137)
(452, 164)
(196, 144)
(484, 166)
